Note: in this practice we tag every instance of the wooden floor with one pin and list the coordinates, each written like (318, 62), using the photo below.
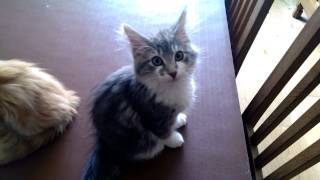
(277, 33)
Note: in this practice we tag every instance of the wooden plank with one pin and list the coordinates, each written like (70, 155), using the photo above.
(300, 49)
(244, 8)
(307, 121)
(229, 4)
(298, 164)
(298, 11)
(250, 32)
(236, 13)
(302, 89)
(253, 153)
(244, 20)
(232, 6)
(232, 9)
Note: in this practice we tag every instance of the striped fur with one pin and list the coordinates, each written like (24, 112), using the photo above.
(136, 111)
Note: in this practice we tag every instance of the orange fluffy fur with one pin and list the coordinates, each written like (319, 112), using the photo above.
(34, 108)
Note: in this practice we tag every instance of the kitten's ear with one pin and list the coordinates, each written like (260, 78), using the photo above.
(136, 40)
(179, 28)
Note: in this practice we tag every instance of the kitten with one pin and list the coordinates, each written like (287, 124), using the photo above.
(137, 110)
(34, 107)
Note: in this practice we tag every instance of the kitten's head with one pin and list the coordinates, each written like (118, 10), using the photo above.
(166, 57)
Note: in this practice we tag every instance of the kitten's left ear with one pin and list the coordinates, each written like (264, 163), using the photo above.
(137, 41)
(179, 28)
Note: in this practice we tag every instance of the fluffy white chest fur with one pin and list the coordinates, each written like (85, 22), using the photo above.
(178, 94)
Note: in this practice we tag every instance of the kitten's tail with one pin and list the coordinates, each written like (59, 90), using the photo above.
(100, 166)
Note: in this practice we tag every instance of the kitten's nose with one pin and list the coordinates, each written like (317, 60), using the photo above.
(173, 74)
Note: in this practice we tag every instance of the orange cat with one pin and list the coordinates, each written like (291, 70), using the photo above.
(34, 107)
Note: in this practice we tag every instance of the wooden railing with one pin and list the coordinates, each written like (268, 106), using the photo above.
(245, 20)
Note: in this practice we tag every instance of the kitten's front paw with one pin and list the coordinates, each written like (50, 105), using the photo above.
(181, 120)
(174, 140)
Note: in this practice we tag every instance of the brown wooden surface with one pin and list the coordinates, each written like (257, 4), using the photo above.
(76, 41)
(253, 153)
(236, 12)
(231, 4)
(298, 11)
(299, 50)
(250, 32)
(244, 20)
(233, 7)
(240, 16)
(299, 163)
(302, 90)
(306, 122)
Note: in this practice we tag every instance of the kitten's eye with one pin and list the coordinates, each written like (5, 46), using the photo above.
(157, 61)
(179, 56)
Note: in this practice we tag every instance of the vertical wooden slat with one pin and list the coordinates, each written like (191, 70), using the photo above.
(229, 4)
(239, 17)
(233, 9)
(307, 121)
(242, 47)
(232, 6)
(298, 11)
(300, 49)
(298, 164)
(244, 20)
(302, 89)
(252, 153)
(236, 13)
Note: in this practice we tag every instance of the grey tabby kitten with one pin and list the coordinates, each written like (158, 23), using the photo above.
(137, 110)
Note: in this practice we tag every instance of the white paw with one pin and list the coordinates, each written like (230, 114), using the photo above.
(181, 120)
(174, 140)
